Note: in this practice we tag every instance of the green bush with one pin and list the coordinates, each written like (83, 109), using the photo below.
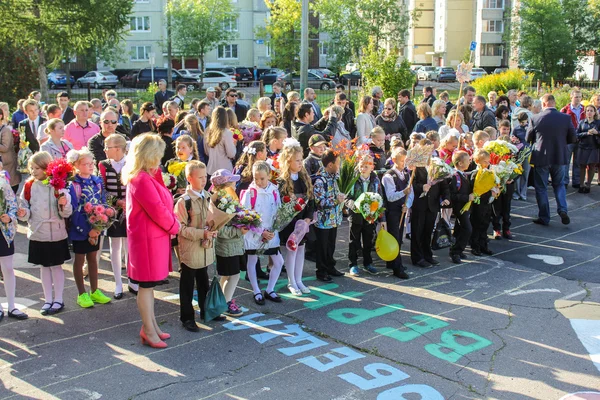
(503, 82)
(380, 68)
(18, 73)
(148, 94)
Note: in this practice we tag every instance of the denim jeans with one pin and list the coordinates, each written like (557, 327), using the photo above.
(575, 166)
(521, 182)
(557, 173)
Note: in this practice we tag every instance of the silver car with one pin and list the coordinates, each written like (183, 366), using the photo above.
(427, 73)
(291, 81)
(98, 79)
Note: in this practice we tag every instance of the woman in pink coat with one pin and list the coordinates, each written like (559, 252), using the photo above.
(150, 224)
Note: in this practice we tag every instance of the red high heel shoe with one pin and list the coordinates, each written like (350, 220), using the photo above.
(157, 345)
(162, 336)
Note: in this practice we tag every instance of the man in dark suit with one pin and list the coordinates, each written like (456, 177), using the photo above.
(550, 132)
(203, 114)
(277, 92)
(407, 110)
(483, 117)
(310, 97)
(161, 96)
(63, 99)
(239, 109)
(428, 96)
(349, 103)
(32, 123)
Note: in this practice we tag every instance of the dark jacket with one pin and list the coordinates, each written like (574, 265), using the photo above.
(395, 126)
(588, 142)
(240, 111)
(449, 106)
(429, 100)
(374, 186)
(460, 189)
(312, 164)
(273, 97)
(349, 122)
(426, 125)
(483, 119)
(435, 195)
(408, 113)
(379, 157)
(96, 146)
(519, 132)
(349, 104)
(31, 136)
(550, 132)
(140, 127)
(160, 98)
(303, 132)
(68, 115)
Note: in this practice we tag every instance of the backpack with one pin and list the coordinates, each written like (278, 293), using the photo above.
(27, 189)
(254, 195)
(188, 210)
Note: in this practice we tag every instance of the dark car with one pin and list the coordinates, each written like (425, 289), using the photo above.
(291, 81)
(270, 76)
(446, 74)
(353, 78)
(129, 79)
(324, 73)
(58, 78)
(243, 74)
(144, 78)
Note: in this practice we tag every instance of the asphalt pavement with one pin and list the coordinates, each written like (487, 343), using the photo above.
(522, 324)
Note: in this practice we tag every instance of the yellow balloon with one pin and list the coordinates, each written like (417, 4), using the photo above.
(386, 246)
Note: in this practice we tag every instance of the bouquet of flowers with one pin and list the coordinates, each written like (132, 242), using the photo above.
(348, 174)
(237, 135)
(247, 219)
(370, 206)
(500, 151)
(437, 171)
(170, 181)
(504, 170)
(58, 173)
(118, 205)
(485, 180)
(177, 168)
(221, 210)
(285, 214)
(275, 170)
(100, 218)
(25, 152)
(463, 72)
(250, 131)
(521, 157)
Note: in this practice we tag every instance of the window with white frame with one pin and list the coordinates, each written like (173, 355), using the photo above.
(323, 48)
(139, 24)
(230, 25)
(491, 49)
(227, 52)
(494, 26)
(140, 53)
(493, 3)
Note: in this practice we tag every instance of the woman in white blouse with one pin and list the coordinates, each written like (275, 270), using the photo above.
(455, 120)
(365, 122)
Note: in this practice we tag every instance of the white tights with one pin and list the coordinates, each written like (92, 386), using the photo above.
(10, 282)
(53, 275)
(228, 284)
(273, 275)
(294, 265)
(118, 252)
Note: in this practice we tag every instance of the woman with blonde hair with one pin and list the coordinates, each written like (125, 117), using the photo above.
(150, 224)
(56, 146)
(365, 121)
(455, 120)
(219, 145)
(426, 122)
(263, 104)
(438, 109)
(5, 119)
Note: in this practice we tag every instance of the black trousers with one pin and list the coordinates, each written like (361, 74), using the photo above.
(501, 209)
(462, 231)
(186, 291)
(392, 218)
(366, 232)
(325, 247)
(481, 215)
(422, 224)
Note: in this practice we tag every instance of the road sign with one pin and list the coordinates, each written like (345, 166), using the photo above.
(473, 46)
(152, 58)
(260, 41)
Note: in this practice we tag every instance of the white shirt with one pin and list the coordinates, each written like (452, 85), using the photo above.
(118, 165)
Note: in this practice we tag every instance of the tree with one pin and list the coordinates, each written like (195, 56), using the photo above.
(543, 40)
(199, 27)
(17, 73)
(381, 68)
(282, 32)
(59, 29)
(352, 24)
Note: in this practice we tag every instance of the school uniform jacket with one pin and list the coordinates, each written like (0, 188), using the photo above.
(460, 189)
(436, 194)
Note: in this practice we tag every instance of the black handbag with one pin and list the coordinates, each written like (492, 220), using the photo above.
(442, 235)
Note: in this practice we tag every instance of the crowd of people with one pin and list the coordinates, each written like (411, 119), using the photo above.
(285, 148)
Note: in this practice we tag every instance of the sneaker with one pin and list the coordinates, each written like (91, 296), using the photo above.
(507, 235)
(354, 271)
(84, 300)
(370, 269)
(515, 196)
(233, 310)
(497, 235)
(99, 297)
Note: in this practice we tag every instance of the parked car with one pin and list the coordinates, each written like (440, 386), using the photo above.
(446, 74)
(270, 76)
(243, 74)
(500, 70)
(291, 81)
(98, 79)
(351, 67)
(324, 73)
(218, 78)
(427, 73)
(58, 78)
(144, 78)
(128, 80)
(477, 73)
(353, 78)
(190, 73)
(226, 70)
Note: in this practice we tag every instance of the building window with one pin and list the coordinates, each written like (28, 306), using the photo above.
(323, 49)
(493, 3)
(230, 25)
(139, 24)
(491, 49)
(268, 50)
(494, 26)
(227, 52)
(140, 53)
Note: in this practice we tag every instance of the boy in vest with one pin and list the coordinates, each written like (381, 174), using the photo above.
(194, 241)
(398, 197)
(359, 227)
(460, 194)
(313, 163)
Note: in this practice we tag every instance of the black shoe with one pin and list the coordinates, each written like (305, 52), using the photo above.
(463, 256)
(586, 189)
(577, 186)
(220, 318)
(20, 316)
(324, 278)
(487, 252)
(507, 235)
(1, 315)
(423, 264)
(581, 189)
(400, 274)
(407, 236)
(456, 259)
(272, 296)
(190, 326)
(132, 291)
(259, 299)
(432, 261)
(118, 296)
(476, 252)
(539, 221)
(335, 272)
(564, 218)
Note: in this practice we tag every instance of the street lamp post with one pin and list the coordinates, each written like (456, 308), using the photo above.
(304, 47)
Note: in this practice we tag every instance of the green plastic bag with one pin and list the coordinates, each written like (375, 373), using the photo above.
(215, 303)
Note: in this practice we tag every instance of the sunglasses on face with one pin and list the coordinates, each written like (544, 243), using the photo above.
(111, 95)
(108, 121)
(233, 95)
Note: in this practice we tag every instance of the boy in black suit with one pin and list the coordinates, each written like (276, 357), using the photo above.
(481, 214)
(424, 213)
(460, 194)
(32, 123)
